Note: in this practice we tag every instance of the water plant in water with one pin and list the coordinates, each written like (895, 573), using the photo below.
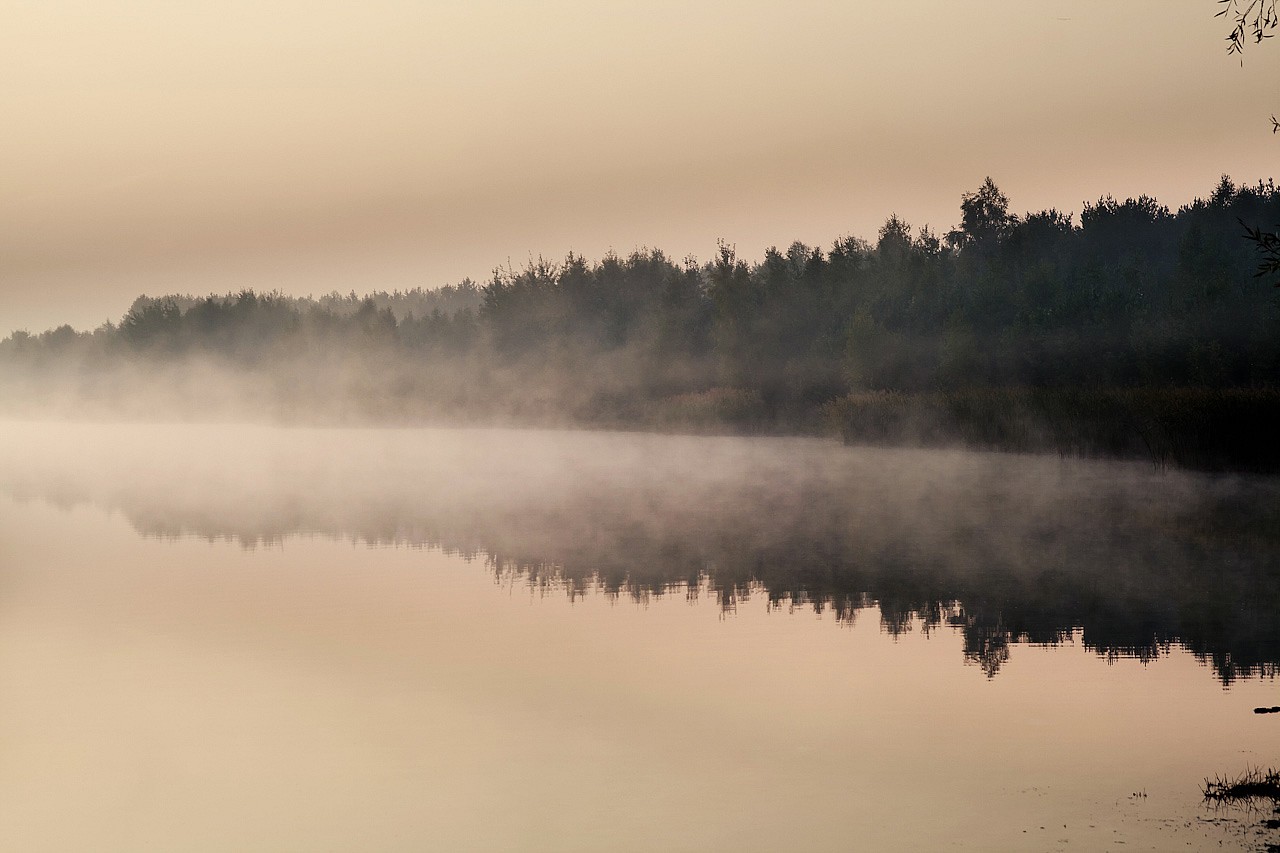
(1253, 784)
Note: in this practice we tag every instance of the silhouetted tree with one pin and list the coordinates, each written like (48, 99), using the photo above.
(984, 218)
(1134, 295)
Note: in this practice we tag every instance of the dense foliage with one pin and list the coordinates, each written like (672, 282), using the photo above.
(1133, 295)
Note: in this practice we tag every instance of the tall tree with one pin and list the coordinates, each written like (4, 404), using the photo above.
(984, 218)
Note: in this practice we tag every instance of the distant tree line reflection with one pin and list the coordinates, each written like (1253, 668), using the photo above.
(1004, 549)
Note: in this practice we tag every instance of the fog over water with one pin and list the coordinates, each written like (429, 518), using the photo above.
(1005, 547)
(664, 426)
(556, 640)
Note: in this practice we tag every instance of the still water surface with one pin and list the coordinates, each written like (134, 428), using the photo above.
(220, 638)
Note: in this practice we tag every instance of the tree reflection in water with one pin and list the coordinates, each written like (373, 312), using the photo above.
(1007, 550)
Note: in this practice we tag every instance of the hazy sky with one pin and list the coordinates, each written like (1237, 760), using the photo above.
(180, 146)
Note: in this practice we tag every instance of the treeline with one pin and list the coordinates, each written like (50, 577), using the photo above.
(415, 303)
(1132, 295)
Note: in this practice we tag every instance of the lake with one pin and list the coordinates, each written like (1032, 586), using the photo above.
(253, 638)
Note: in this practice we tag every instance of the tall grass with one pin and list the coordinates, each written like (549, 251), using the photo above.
(1253, 784)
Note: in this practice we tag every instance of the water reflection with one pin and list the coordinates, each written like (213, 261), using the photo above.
(1007, 550)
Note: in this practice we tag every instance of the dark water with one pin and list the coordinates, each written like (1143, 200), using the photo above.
(233, 637)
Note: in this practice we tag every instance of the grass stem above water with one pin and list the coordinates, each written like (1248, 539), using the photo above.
(1253, 783)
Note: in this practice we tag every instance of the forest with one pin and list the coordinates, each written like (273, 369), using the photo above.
(1130, 330)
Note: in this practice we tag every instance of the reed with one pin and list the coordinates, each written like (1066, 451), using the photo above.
(1253, 784)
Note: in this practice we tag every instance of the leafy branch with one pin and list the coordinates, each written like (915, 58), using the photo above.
(1268, 245)
(1253, 20)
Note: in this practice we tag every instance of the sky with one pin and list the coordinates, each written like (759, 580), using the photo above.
(182, 146)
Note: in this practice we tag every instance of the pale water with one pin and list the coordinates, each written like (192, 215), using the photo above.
(237, 638)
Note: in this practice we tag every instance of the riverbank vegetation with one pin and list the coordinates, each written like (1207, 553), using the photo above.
(1253, 784)
(1190, 427)
(1130, 330)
